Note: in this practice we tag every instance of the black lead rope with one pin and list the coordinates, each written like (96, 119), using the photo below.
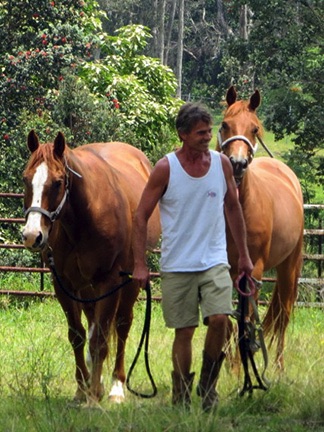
(144, 338)
(246, 328)
(51, 265)
(146, 327)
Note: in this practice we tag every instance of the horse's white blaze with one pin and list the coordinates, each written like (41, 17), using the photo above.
(241, 153)
(33, 224)
(117, 391)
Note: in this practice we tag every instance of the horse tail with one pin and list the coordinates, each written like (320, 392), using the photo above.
(283, 299)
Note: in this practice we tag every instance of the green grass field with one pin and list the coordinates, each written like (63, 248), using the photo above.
(37, 372)
(37, 380)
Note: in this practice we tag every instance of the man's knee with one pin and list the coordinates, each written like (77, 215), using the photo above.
(185, 333)
(218, 322)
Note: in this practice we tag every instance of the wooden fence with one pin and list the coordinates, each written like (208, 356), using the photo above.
(316, 282)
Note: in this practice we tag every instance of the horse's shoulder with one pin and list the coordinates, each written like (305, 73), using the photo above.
(272, 166)
(276, 174)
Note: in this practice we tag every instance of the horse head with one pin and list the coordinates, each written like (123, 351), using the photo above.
(45, 181)
(239, 131)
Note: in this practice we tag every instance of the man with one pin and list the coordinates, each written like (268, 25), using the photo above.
(194, 186)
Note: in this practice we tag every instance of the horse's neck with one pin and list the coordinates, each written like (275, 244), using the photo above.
(244, 189)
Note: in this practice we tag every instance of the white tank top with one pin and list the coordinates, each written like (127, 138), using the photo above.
(192, 217)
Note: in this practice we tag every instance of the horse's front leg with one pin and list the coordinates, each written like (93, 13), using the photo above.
(99, 332)
(77, 339)
(124, 319)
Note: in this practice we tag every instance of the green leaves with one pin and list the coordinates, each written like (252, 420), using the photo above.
(144, 89)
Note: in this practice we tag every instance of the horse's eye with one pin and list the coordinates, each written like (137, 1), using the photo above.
(225, 126)
(58, 183)
(255, 130)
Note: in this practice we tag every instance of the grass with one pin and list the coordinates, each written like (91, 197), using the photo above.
(37, 373)
(37, 380)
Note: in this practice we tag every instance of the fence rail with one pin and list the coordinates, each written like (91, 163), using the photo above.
(318, 258)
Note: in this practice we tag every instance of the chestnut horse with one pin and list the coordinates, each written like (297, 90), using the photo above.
(272, 203)
(80, 205)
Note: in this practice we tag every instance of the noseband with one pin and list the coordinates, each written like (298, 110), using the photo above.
(52, 216)
(243, 138)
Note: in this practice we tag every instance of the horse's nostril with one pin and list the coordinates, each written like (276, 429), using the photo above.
(238, 165)
(244, 164)
(39, 239)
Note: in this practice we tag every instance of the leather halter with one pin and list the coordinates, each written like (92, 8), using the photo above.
(243, 138)
(52, 216)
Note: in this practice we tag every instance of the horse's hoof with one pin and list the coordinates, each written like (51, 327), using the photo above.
(79, 397)
(116, 394)
(116, 399)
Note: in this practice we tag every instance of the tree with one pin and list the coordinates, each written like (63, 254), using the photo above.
(284, 56)
(180, 47)
(39, 43)
(144, 88)
(66, 74)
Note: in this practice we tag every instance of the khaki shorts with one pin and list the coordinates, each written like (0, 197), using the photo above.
(184, 292)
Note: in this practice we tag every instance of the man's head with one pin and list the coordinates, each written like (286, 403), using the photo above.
(190, 114)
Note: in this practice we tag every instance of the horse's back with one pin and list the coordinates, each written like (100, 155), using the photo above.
(133, 169)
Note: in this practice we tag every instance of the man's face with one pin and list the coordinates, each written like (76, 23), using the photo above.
(199, 137)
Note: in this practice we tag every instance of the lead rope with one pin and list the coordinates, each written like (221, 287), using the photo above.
(249, 343)
(146, 327)
(144, 337)
(51, 266)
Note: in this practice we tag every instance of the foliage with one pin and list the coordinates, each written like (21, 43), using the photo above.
(275, 46)
(284, 56)
(143, 88)
(45, 39)
(52, 78)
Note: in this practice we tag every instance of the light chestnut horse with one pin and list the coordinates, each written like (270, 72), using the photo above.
(272, 203)
(80, 205)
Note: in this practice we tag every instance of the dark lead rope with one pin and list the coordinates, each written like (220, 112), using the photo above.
(245, 341)
(51, 265)
(146, 327)
(144, 337)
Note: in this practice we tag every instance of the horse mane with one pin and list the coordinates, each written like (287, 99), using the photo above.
(44, 153)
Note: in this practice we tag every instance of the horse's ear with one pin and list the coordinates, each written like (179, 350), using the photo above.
(32, 141)
(255, 100)
(59, 145)
(231, 96)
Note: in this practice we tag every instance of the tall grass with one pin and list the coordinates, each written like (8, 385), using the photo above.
(37, 380)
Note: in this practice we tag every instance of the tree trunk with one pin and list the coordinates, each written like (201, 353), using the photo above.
(180, 47)
(160, 17)
(155, 30)
(244, 22)
(169, 33)
(222, 25)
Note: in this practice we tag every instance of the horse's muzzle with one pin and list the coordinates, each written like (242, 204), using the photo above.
(34, 242)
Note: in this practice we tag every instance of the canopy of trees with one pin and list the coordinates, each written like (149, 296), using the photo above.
(120, 69)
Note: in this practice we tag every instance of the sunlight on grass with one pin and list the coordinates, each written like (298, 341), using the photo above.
(37, 380)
